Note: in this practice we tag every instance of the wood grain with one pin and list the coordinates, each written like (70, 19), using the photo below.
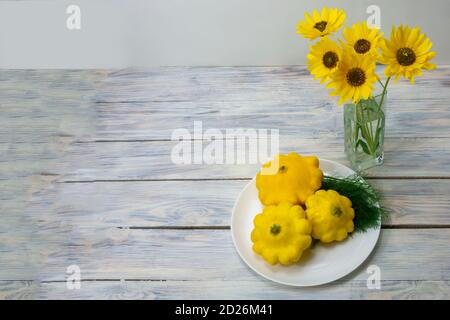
(15, 290)
(112, 253)
(209, 203)
(304, 118)
(428, 157)
(217, 289)
(38, 105)
(86, 178)
(282, 83)
(136, 104)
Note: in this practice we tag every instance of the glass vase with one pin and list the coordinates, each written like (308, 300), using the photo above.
(364, 124)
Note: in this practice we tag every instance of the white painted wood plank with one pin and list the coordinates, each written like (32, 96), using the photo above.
(152, 160)
(281, 97)
(415, 202)
(428, 157)
(207, 203)
(38, 105)
(261, 289)
(206, 255)
(35, 120)
(136, 104)
(216, 289)
(48, 214)
(280, 83)
(16, 290)
(17, 228)
(307, 117)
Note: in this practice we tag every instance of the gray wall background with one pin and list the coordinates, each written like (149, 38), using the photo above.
(124, 33)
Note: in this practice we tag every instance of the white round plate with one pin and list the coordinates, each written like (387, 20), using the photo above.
(323, 264)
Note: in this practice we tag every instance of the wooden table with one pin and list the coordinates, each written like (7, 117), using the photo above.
(86, 179)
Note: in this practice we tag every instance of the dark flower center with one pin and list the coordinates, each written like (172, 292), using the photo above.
(356, 77)
(405, 56)
(320, 25)
(275, 229)
(362, 46)
(330, 59)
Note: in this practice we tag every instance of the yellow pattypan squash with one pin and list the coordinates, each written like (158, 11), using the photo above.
(281, 233)
(293, 179)
(331, 215)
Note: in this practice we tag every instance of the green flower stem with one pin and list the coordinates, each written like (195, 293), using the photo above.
(380, 106)
(355, 137)
(381, 83)
(362, 122)
(365, 131)
(370, 126)
(384, 92)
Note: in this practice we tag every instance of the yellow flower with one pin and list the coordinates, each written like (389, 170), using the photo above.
(321, 24)
(323, 59)
(362, 39)
(407, 53)
(354, 78)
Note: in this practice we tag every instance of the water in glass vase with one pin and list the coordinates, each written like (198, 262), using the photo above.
(364, 124)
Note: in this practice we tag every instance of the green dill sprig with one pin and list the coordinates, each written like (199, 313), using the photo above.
(365, 200)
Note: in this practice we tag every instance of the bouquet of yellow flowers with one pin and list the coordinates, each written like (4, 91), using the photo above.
(348, 69)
